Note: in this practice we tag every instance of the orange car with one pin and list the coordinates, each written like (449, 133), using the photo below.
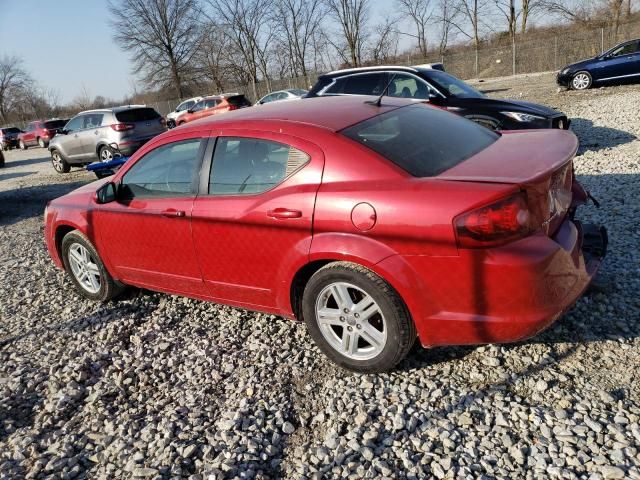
(213, 105)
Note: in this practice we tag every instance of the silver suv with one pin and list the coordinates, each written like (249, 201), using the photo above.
(97, 134)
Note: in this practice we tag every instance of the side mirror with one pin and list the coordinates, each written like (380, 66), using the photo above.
(435, 99)
(106, 193)
(62, 131)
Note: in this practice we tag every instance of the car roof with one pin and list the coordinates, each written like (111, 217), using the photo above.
(121, 108)
(345, 71)
(332, 113)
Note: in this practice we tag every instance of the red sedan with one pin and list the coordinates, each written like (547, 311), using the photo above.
(372, 223)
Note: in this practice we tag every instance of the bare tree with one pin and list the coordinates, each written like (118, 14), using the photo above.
(353, 16)
(249, 33)
(162, 36)
(300, 20)
(470, 12)
(445, 17)
(385, 41)
(420, 13)
(215, 55)
(14, 81)
(529, 7)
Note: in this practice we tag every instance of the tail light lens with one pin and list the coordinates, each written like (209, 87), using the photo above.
(121, 127)
(232, 107)
(501, 222)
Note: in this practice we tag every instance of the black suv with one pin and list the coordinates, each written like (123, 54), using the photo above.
(440, 89)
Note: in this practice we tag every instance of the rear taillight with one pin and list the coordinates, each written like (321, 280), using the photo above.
(503, 221)
(232, 107)
(121, 127)
(162, 121)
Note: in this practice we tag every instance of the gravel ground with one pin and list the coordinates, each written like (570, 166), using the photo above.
(156, 386)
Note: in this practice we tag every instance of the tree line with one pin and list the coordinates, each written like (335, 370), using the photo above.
(183, 47)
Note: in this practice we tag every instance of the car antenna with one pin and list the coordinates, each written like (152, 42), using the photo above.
(378, 101)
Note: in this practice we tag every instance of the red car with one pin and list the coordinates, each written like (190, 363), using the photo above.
(372, 223)
(39, 133)
(213, 105)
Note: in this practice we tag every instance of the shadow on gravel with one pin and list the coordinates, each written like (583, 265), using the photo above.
(28, 161)
(594, 138)
(8, 176)
(22, 203)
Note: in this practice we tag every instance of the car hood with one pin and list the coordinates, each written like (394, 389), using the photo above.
(581, 64)
(504, 105)
(80, 195)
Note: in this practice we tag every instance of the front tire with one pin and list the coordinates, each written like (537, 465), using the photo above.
(86, 270)
(22, 145)
(581, 81)
(356, 318)
(41, 143)
(60, 165)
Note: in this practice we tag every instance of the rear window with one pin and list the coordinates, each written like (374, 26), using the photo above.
(239, 101)
(422, 140)
(54, 124)
(137, 115)
(10, 130)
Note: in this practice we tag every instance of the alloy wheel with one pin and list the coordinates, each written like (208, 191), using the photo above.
(56, 160)
(581, 81)
(84, 268)
(106, 155)
(351, 321)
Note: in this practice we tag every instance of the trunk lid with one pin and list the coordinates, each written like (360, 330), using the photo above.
(539, 162)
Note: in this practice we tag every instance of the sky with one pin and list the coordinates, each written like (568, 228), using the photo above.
(67, 45)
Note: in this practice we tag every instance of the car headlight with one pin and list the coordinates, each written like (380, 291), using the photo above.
(565, 71)
(522, 117)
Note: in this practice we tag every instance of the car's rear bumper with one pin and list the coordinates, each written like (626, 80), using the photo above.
(9, 142)
(502, 294)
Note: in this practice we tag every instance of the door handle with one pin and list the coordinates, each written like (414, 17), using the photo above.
(284, 213)
(171, 213)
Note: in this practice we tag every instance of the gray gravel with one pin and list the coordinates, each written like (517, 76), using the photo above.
(155, 386)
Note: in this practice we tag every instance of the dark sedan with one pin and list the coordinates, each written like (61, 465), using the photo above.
(622, 62)
(443, 90)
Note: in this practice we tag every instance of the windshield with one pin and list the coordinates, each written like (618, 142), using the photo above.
(451, 85)
(422, 140)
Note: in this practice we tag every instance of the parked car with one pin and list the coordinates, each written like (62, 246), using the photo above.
(620, 63)
(40, 133)
(183, 107)
(213, 105)
(371, 223)
(442, 90)
(9, 137)
(95, 134)
(281, 95)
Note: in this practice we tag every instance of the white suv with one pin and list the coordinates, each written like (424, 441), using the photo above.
(183, 107)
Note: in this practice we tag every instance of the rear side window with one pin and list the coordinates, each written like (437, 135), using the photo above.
(361, 84)
(238, 101)
(137, 115)
(422, 140)
(249, 165)
(93, 120)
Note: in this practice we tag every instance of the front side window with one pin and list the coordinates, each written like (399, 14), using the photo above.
(75, 124)
(423, 141)
(249, 165)
(407, 86)
(212, 102)
(625, 50)
(452, 85)
(185, 106)
(198, 106)
(170, 170)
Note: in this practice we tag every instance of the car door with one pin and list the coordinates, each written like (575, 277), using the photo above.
(29, 137)
(623, 61)
(209, 108)
(253, 218)
(89, 135)
(70, 142)
(146, 233)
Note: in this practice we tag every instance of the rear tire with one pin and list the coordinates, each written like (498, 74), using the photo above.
(41, 143)
(105, 153)
(356, 318)
(581, 81)
(60, 165)
(86, 270)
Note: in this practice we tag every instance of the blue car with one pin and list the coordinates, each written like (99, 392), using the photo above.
(620, 63)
